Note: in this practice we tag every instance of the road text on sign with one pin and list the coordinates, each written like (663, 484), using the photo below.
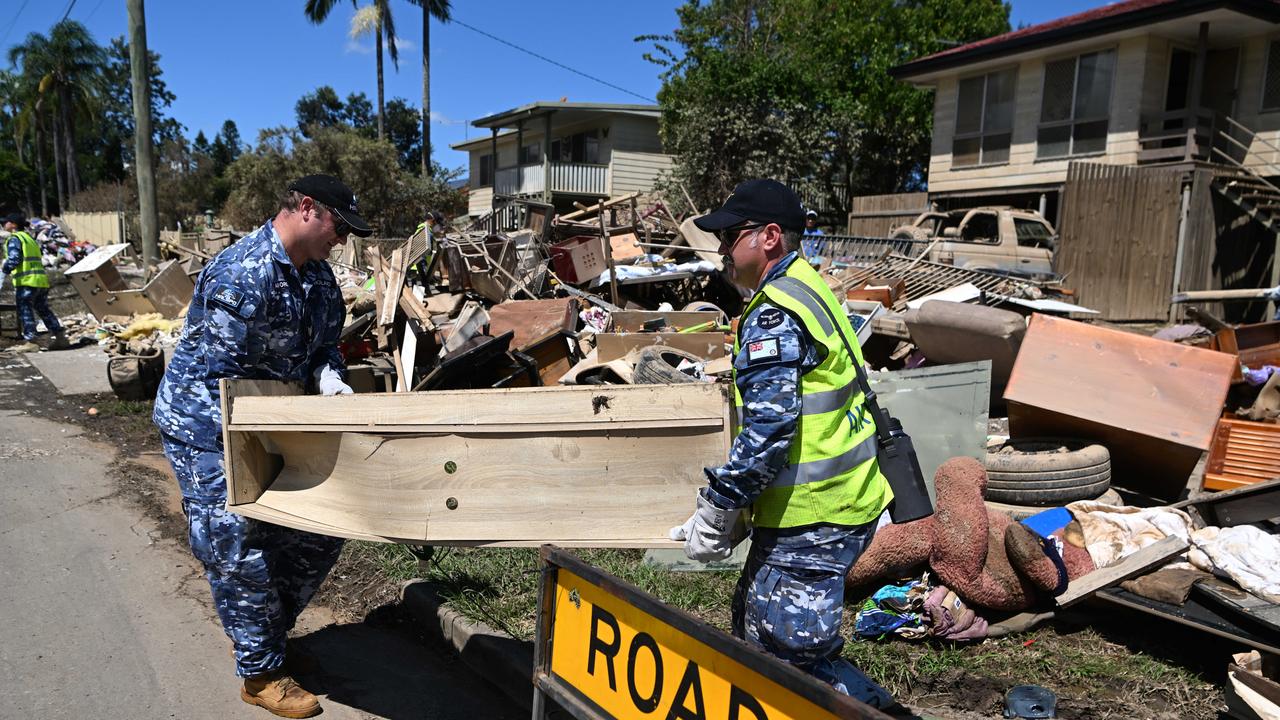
(627, 662)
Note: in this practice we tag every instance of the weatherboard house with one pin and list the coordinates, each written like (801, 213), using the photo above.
(1147, 130)
(562, 152)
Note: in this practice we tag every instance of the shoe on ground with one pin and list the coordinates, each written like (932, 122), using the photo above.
(59, 342)
(279, 694)
(25, 347)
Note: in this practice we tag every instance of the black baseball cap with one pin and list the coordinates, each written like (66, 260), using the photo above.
(17, 219)
(767, 201)
(333, 193)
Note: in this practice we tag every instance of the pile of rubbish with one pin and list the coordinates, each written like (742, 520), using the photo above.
(56, 248)
(551, 299)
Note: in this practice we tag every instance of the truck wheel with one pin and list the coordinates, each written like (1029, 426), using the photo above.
(656, 365)
(910, 232)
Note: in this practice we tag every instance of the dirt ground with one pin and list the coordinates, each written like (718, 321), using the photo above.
(1102, 661)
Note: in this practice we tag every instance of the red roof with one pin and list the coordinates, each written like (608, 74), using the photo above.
(1101, 19)
(1106, 11)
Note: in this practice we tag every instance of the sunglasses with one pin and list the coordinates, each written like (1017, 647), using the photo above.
(340, 226)
(730, 236)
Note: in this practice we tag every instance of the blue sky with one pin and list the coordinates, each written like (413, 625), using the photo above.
(251, 61)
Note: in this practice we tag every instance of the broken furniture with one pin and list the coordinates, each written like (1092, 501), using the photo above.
(629, 333)
(951, 332)
(1255, 345)
(588, 466)
(105, 292)
(1153, 404)
(1243, 453)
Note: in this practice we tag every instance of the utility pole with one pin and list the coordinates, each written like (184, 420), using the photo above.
(144, 161)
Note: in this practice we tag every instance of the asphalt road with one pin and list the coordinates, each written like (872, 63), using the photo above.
(103, 618)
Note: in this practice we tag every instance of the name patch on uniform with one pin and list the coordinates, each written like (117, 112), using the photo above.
(769, 318)
(228, 297)
(762, 351)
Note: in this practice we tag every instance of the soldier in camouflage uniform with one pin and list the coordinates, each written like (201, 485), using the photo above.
(268, 307)
(812, 490)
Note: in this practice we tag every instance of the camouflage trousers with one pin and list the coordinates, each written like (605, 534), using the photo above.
(32, 301)
(261, 575)
(795, 614)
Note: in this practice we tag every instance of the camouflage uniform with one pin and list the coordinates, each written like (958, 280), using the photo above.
(30, 300)
(790, 599)
(253, 315)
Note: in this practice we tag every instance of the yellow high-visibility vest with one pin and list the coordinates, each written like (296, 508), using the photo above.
(31, 272)
(832, 475)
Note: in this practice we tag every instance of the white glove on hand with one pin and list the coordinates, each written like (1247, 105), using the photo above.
(711, 532)
(329, 382)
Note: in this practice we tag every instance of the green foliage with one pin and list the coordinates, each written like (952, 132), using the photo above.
(392, 198)
(800, 90)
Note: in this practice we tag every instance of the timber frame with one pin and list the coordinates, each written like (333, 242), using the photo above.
(579, 466)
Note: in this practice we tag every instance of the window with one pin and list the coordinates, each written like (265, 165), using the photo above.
(486, 171)
(982, 227)
(1033, 233)
(1075, 106)
(984, 120)
(531, 154)
(1271, 84)
(583, 147)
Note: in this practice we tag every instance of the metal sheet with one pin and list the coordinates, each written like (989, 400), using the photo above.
(1153, 404)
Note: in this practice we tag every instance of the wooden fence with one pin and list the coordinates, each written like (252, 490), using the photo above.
(1118, 247)
(877, 215)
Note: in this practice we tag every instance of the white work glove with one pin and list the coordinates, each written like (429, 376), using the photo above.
(711, 532)
(329, 382)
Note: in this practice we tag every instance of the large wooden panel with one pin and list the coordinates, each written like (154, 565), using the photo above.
(1118, 230)
(613, 466)
(1154, 404)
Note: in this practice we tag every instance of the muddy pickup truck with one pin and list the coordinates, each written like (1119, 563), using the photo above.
(998, 239)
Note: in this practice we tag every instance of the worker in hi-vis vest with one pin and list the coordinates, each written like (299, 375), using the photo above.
(803, 467)
(30, 285)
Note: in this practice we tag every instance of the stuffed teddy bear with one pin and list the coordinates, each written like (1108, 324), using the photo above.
(982, 555)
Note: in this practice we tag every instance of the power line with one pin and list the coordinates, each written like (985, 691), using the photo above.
(94, 10)
(67, 14)
(9, 28)
(544, 58)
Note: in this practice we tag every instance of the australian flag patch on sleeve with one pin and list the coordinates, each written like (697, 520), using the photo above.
(763, 351)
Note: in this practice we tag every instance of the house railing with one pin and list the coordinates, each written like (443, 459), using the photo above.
(1178, 136)
(576, 178)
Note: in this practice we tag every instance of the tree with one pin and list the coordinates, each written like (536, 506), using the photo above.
(374, 19)
(800, 90)
(117, 108)
(440, 10)
(404, 133)
(358, 113)
(391, 198)
(226, 147)
(66, 68)
(319, 109)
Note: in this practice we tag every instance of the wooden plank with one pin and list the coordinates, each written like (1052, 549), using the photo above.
(249, 468)
(562, 463)
(414, 308)
(543, 407)
(1143, 560)
(1238, 600)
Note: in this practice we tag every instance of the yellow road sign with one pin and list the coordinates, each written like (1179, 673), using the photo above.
(608, 650)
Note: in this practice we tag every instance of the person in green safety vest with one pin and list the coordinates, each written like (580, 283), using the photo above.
(30, 283)
(802, 468)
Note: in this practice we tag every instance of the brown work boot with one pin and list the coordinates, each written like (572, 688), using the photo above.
(278, 694)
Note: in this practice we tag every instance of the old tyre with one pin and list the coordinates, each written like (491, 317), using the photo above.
(656, 365)
(1047, 471)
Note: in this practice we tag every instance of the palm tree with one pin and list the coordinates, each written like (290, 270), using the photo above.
(372, 19)
(66, 69)
(440, 10)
